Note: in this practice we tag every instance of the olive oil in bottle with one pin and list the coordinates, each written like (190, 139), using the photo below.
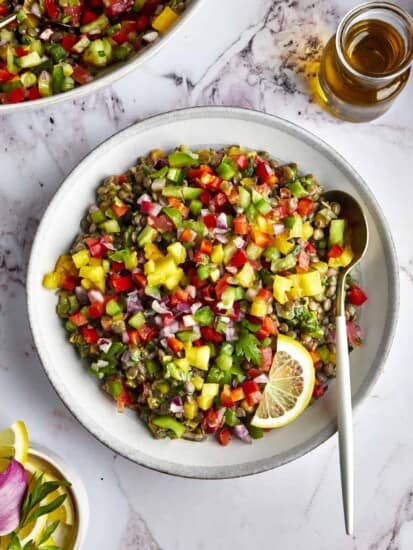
(366, 65)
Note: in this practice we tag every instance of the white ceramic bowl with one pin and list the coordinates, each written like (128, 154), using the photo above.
(124, 433)
(109, 75)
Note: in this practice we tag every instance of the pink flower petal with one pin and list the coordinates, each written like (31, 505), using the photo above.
(13, 485)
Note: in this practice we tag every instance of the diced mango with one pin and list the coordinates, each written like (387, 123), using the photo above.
(209, 392)
(164, 21)
(198, 357)
(321, 267)
(246, 276)
(217, 255)
(95, 274)
(281, 286)
(190, 409)
(86, 284)
(95, 262)
(198, 382)
(81, 258)
(178, 252)
(259, 308)
(282, 243)
(149, 267)
(152, 252)
(173, 280)
(182, 363)
(306, 284)
(344, 260)
(51, 280)
(307, 230)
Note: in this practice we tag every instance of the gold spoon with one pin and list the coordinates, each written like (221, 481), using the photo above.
(357, 234)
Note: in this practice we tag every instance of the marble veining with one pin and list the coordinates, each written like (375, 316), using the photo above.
(260, 55)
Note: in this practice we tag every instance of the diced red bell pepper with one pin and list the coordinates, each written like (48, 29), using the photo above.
(264, 294)
(3, 10)
(89, 16)
(253, 373)
(261, 239)
(195, 173)
(120, 283)
(139, 279)
(117, 266)
(335, 252)
(261, 334)
(177, 297)
(81, 75)
(318, 391)
(206, 247)
(235, 313)
(78, 319)
(142, 23)
(205, 197)
(73, 13)
(250, 386)
(212, 421)
(195, 280)
(210, 220)
(303, 260)
(33, 93)
(241, 225)
(242, 162)
(120, 37)
(20, 51)
(187, 235)
(123, 400)
(210, 181)
(356, 296)
(69, 282)
(199, 257)
(237, 394)
(90, 335)
(175, 345)
(226, 397)
(305, 207)
(17, 95)
(68, 41)
(120, 209)
(147, 333)
(96, 310)
(221, 285)
(133, 337)
(266, 359)
(207, 292)
(265, 173)
(146, 206)
(224, 436)
(52, 9)
(211, 335)
(239, 259)
(5, 76)
(270, 326)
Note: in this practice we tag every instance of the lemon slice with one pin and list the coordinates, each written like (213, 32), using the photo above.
(14, 442)
(290, 386)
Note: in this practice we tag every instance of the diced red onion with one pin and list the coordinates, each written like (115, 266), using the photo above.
(47, 33)
(250, 294)
(221, 412)
(81, 295)
(158, 320)
(156, 208)
(242, 433)
(231, 269)
(35, 9)
(332, 335)
(188, 321)
(195, 307)
(159, 307)
(125, 357)
(261, 379)
(133, 303)
(230, 333)
(278, 228)
(13, 485)
(95, 296)
(144, 197)
(191, 290)
(125, 337)
(104, 344)
(239, 242)
(164, 343)
(223, 239)
(169, 331)
(176, 405)
(183, 307)
(222, 221)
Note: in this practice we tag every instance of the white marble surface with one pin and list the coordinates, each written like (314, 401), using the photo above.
(252, 54)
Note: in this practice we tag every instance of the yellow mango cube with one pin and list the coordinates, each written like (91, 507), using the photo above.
(81, 258)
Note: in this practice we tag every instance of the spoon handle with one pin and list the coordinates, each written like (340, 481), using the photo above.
(4, 22)
(345, 423)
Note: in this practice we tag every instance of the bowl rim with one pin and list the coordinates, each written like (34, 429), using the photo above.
(246, 115)
(112, 76)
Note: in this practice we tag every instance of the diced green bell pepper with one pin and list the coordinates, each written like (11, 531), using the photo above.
(297, 189)
(137, 320)
(174, 215)
(169, 423)
(178, 159)
(204, 316)
(227, 169)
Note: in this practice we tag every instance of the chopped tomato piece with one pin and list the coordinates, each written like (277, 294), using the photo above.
(90, 335)
(211, 335)
(96, 310)
(17, 95)
(224, 436)
(120, 283)
(356, 296)
(147, 333)
(264, 294)
(266, 359)
(142, 23)
(120, 209)
(305, 207)
(178, 296)
(78, 319)
(310, 248)
(69, 282)
(319, 391)
(221, 285)
(89, 16)
(239, 259)
(335, 252)
(226, 397)
(175, 345)
(212, 421)
(120, 37)
(51, 9)
(33, 93)
(117, 266)
(242, 162)
(250, 386)
(81, 75)
(68, 41)
(241, 226)
(205, 197)
(133, 336)
(210, 220)
(265, 173)
(5, 76)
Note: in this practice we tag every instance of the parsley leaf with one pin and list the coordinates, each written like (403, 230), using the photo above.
(247, 346)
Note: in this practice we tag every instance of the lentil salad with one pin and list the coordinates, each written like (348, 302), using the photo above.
(40, 58)
(187, 268)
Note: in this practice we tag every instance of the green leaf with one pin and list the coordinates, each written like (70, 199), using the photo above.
(247, 346)
(47, 509)
(48, 531)
(14, 543)
(30, 545)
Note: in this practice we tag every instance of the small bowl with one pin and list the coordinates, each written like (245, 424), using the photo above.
(110, 74)
(125, 433)
(55, 465)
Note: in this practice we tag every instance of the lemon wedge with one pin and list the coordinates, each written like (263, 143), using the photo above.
(14, 442)
(290, 386)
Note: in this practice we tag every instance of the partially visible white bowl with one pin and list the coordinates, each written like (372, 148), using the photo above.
(109, 75)
(125, 434)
